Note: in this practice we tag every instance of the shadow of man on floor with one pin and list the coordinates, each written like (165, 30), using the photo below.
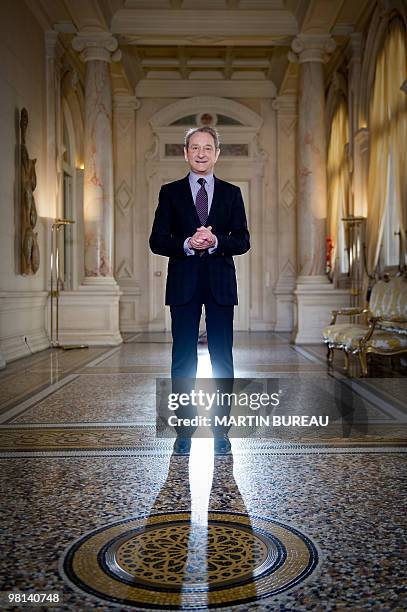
(205, 545)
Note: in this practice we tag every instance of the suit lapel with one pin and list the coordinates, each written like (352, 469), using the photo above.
(216, 201)
(189, 202)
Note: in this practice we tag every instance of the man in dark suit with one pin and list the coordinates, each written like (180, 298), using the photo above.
(200, 223)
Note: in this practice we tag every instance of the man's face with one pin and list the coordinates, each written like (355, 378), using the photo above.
(201, 154)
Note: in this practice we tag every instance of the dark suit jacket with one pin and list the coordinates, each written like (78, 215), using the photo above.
(176, 219)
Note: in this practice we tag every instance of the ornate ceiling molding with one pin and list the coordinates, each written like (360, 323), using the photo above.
(225, 23)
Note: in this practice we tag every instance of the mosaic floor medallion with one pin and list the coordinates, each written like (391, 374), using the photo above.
(164, 561)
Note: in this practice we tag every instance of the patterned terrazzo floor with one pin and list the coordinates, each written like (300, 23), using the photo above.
(94, 507)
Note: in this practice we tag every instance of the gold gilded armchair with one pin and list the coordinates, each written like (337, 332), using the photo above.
(384, 331)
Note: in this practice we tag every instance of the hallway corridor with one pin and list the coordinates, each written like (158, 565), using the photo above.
(99, 511)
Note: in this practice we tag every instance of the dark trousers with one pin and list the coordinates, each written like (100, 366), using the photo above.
(185, 330)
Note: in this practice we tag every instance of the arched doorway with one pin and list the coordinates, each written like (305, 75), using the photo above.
(241, 162)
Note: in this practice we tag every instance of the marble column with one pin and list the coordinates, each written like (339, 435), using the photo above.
(311, 53)
(97, 51)
(314, 298)
(91, 314)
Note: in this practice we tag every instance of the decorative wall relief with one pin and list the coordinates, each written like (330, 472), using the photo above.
(30, 252)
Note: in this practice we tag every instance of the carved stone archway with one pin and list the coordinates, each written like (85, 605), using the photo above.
(374, 41)
(189, 106)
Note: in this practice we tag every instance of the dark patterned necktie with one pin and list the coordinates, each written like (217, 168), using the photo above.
(201, 202)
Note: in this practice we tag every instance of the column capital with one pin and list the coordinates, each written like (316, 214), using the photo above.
(125, 102)
(311, 48)
(100, 46)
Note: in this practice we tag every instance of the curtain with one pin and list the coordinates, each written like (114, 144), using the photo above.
(388, 132)
(337, 175)
(397, 100)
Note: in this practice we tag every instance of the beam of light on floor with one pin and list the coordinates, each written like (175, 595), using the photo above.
(201, 456)
(200, 478)
(200, 484)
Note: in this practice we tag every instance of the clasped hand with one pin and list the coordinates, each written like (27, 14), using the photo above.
(202, 239)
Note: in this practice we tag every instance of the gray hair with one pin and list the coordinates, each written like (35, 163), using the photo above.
(206, 129)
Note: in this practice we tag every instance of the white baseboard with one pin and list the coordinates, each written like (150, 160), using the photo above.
(22, 324)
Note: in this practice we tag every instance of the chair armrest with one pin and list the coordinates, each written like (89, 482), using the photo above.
(372, 324)
(347, 311)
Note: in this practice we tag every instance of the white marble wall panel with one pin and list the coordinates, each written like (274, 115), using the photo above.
(22, 78)
(286, 121)
(22, 84)
(149, 311)
(124, 153)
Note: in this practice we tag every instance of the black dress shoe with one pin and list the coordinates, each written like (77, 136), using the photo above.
(222, 445)
(182, 445)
